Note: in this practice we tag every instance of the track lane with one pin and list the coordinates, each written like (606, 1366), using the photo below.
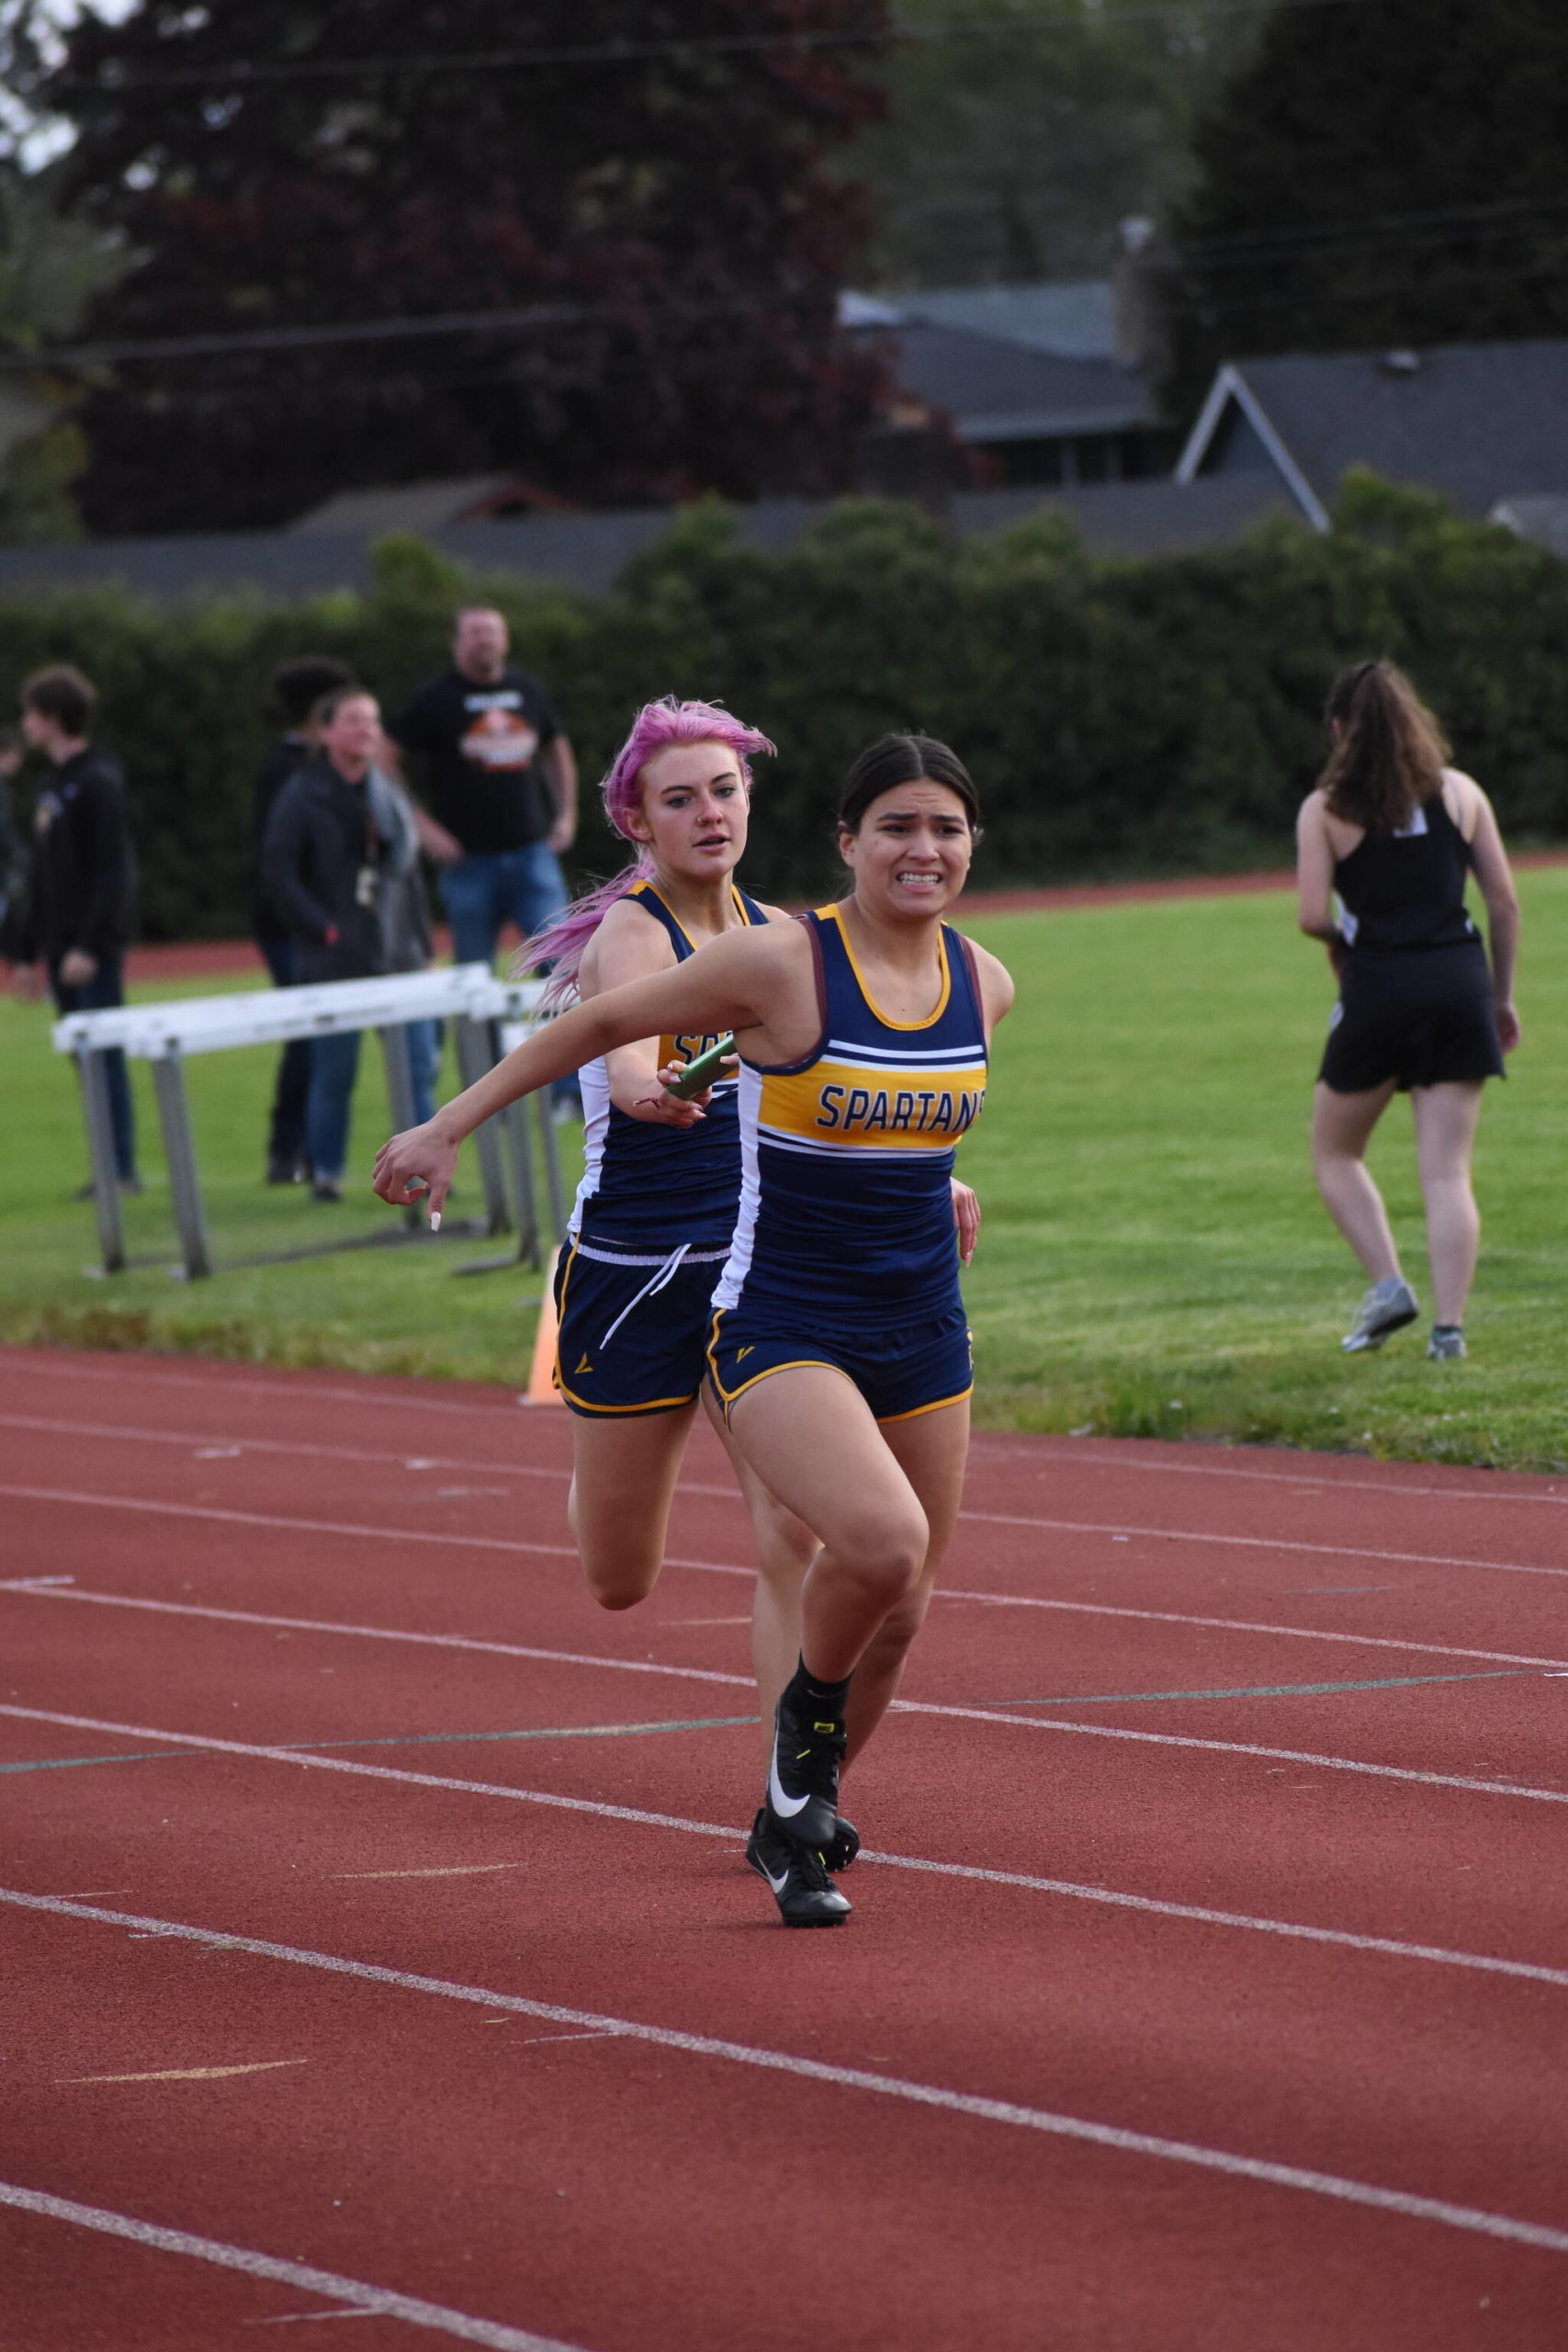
(619, 2096)
(1420, 1527)
(1387, 1852)
(1515, 1722)
(1137, 1999)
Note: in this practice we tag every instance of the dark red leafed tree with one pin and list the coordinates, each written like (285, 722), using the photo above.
(648, 180)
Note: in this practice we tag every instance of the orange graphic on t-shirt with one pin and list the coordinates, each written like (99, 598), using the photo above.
(500, 738)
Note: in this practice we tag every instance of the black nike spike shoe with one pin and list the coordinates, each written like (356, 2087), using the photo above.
(803, 1775)
(804, 1891)
(842, 1847)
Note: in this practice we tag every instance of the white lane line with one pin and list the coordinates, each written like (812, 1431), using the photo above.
(1101, 1462)
(1049, 1452)
(208, 1448)
(64, 1588)
(367, 2300)
(730, 1493)
(53, 1591)
(78, 1499)
(309, 1760)
(1119, 1530)
(327, 1526)
(1404, 2202)
(1236, 1747)
(1202, 1914)
(221, 1381)
(1244, 1626)
(900, 1706)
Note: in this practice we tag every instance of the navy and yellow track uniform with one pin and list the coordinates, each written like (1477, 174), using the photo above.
(649, 1231)
(845, 1254)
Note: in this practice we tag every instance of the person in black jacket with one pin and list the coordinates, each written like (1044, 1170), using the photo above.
(82, 888)
(298, 686)
(320, 869)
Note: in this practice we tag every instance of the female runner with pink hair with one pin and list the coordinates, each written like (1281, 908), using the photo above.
(838, 1346)
(652, 1222)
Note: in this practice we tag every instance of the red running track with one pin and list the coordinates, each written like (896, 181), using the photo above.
(378, 1946)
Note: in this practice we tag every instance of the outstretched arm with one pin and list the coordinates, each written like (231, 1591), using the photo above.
(726, 985)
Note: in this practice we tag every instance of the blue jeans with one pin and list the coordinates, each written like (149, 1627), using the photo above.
(286, 1134)
(519, 886)
(334, 1063)
(424, 1062)
(105, 989)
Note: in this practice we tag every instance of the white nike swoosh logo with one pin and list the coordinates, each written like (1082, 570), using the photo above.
(779, 1884)
(787, 1806)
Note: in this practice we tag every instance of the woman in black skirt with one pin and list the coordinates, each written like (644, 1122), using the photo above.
(1393, 832)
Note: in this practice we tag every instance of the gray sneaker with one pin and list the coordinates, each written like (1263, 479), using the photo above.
(1387, 1307)
(1445, 1344)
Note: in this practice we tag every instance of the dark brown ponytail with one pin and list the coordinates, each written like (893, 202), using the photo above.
(1387, 752)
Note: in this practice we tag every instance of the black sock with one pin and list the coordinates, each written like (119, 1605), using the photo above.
(807, 1696)
(1447, 1330)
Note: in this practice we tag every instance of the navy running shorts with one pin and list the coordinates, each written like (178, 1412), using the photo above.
(913, 1369)
(633, 1325)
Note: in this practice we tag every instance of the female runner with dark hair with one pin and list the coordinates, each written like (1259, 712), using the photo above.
(1394, 831)
(838, 1349)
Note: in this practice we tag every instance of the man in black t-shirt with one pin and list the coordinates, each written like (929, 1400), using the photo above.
(499, 782)
(82, 888)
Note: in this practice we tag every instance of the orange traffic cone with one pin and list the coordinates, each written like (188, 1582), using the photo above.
(542, 1389)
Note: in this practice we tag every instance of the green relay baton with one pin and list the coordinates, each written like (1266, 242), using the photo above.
(702, 1072)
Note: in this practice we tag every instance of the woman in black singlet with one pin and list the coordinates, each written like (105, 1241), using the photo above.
(1393, 832)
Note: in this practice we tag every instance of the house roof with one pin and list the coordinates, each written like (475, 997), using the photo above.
(999, 390)
(1473, 420)
(411, 506)
(1543, 518)
(588, 552)
(1074, 319)
(1135, 518)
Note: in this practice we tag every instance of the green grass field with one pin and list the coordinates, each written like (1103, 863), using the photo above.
(1153, 1263)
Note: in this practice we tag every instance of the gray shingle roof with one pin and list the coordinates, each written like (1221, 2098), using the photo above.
(999, 390)
(1474, 420)
(588, 552)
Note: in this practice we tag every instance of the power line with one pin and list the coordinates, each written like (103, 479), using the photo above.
(533, 317)
(238, 73)
(1371, 234)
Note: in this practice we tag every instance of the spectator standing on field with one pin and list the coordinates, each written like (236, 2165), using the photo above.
(82, 888)
(500, 784)
(13, 858)
(404, 911)
(320, 868)
(298, 686)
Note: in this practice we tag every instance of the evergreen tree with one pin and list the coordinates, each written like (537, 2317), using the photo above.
(1020, 132)
(647, 178)
(1385, 172)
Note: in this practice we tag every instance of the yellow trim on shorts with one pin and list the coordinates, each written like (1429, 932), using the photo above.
(656, 1404)
(731, 1397)
(884, 1419)
(728, 1398)
(555, 1380)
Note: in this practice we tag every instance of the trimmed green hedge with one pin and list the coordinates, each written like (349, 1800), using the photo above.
(1152, 717)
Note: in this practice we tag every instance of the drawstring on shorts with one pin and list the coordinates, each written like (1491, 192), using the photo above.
(666, 1274)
